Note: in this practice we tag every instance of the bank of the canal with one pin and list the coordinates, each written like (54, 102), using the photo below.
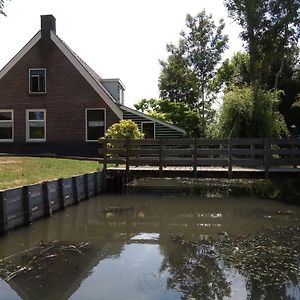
(284, 189)
(156, 247)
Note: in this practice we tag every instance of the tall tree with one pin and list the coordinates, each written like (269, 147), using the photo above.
(234, 71)
(270, 29)
(195, 60)
(177, 81)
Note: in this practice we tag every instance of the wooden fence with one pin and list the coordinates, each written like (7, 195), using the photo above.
(23, 205)
(226, 153)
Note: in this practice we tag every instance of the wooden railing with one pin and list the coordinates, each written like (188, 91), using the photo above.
(260, 153)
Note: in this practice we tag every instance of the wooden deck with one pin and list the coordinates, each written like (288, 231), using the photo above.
(202, 172)
(201, 158)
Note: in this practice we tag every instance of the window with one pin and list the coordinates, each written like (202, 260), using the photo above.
(36, 125)
(6, 126)
(95, 124)
(148, 128)
(37, 81)
(121, 95)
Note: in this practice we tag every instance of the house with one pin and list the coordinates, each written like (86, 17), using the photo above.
(51, 101)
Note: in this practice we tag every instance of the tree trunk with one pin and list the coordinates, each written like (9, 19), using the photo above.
(279, 73)
(203, 111)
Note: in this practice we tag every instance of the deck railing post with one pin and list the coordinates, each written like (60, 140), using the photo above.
(195, 157)
(267, 156)
(229, 158)
(127, 158)
(293, 151)
(160, 158)
(104, 155)
(3, 214)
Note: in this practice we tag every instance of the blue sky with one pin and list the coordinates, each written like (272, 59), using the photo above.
(118, 38)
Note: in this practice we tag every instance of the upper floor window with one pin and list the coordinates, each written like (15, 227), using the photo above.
(36, 125)
(95, 124)
(37, 81)
(6, 125)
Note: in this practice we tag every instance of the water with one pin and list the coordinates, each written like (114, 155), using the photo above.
(180, 247)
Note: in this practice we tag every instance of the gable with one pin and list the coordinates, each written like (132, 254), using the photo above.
(20, 54)
(85, 71)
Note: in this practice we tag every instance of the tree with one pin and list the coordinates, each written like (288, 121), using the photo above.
(234, 71)
(270, 29)
(124, 129)
(177, 82)
(177, 113)
(187, 74)
(237, 117)
(2, 8)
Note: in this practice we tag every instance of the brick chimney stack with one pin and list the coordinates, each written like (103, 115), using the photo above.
(48, 24)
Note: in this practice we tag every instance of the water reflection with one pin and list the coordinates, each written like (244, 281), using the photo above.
(153, 248)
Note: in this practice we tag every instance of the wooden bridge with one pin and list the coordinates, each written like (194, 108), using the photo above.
(201, 158)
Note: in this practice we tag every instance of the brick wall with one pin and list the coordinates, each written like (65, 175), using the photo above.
(68, 95)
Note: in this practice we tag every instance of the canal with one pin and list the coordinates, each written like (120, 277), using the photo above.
(156, 247)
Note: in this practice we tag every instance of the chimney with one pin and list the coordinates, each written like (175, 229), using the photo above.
(47, 24)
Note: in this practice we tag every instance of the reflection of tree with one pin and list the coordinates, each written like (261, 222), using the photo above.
(269, 261)
(195, 270)
(58, 267)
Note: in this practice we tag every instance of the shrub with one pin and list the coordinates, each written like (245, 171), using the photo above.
(242, 116)
(124, 129)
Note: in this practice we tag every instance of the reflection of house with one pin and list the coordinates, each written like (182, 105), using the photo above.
(62, 275)
(52, 101)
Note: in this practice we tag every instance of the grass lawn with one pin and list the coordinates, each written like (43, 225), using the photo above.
(19, 171)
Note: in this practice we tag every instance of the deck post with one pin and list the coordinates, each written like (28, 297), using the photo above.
(127, 158)
(229, 158)
(61, 194)
(86, 186)
(96, 183)
(267, 157)
(3, 214)
(27, 205)
(104, 155)
(293, 151)
(47, 203)
(75, 190)
(160, 158)
(195, 157)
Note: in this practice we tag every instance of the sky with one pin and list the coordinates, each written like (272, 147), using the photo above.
(117, 38)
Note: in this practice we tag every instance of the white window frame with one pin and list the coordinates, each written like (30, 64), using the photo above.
(12, 126)
(86, 125)
(28, 139)
(147, 122)
(29, 81)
